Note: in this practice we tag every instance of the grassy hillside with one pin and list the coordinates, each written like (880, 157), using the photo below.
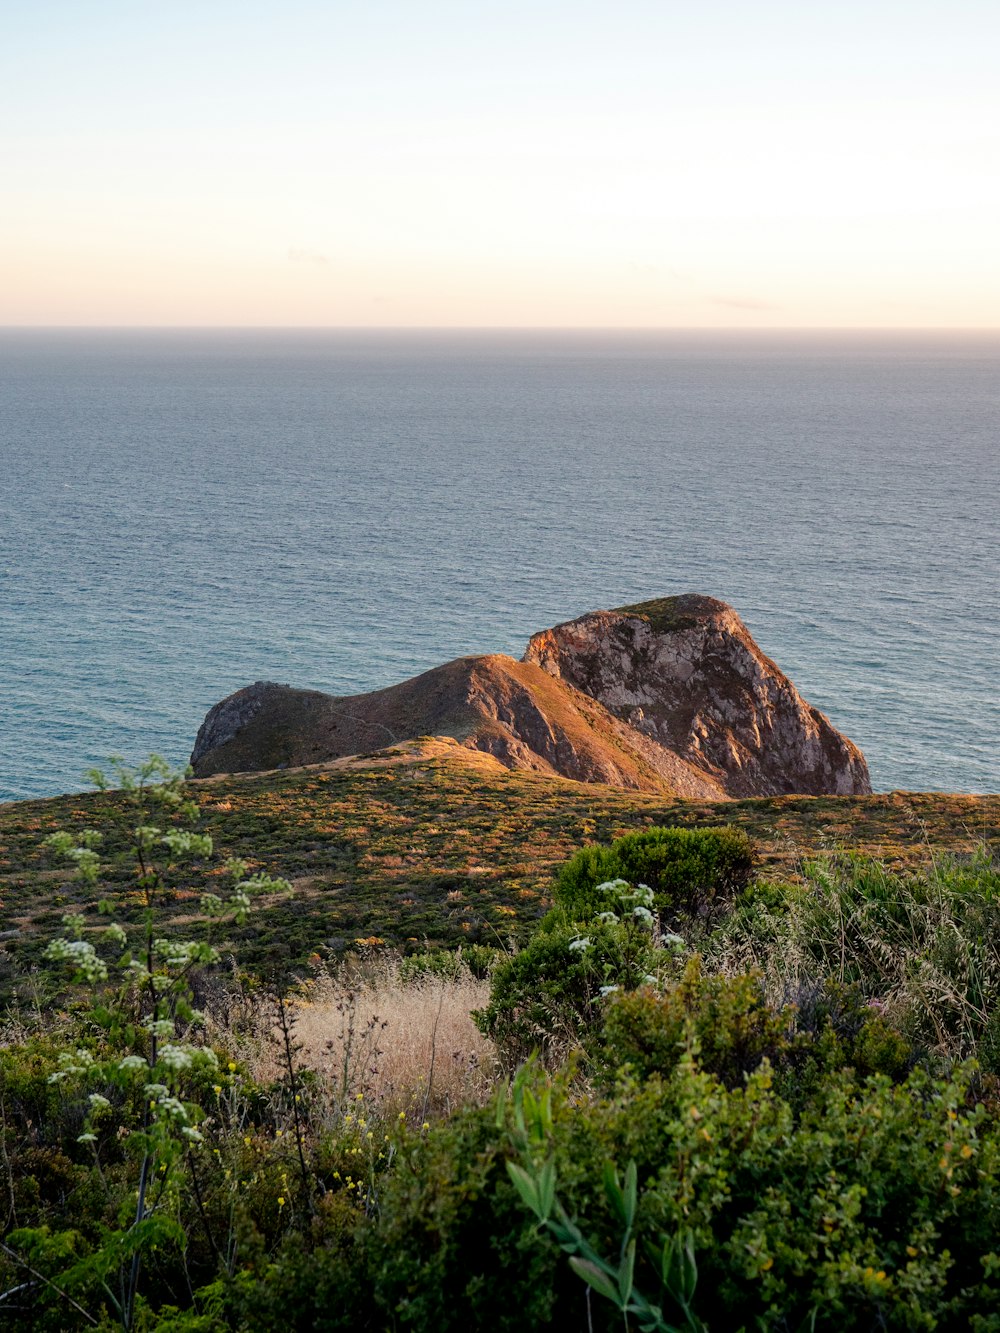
(784, 1088)
(431, 844)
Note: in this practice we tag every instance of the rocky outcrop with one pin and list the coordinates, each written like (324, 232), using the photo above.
(685, 672)
(671, 696)
(512, 710)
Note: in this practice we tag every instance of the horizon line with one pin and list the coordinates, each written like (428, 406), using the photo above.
(504, 328)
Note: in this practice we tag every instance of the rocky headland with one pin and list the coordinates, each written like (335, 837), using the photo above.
(671, 695)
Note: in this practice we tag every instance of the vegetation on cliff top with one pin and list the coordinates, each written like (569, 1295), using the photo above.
(434, 846)
(667, 615)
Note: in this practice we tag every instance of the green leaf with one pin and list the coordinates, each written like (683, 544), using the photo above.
(631, 1193)
(679, 1268)
(526, 1187)
(626, 1273)
(614, 1193)
(501, 1111)
(596, 1278)
(547, 1188)
(689, 1269)
(653, 1323)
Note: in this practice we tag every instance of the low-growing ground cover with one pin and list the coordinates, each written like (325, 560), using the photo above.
(434, 847)
(756, 1103)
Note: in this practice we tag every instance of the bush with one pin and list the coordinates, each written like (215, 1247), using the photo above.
(449, 964)
(545, 997)
(724, 1019)
(318, 1287)
(454, 1249)
(691, 871)
(728, 1024)
(874, 1206)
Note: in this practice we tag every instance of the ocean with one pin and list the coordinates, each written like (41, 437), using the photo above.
(184, 512)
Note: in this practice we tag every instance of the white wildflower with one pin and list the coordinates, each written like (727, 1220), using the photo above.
(72, 1062)
(172, 1107)
(580, 945)
(80, 955)
(175, 1057)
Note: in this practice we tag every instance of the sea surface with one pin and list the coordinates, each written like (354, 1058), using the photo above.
(184, 512)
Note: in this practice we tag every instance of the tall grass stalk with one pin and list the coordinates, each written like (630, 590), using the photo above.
(403, 1043)
(922, 947)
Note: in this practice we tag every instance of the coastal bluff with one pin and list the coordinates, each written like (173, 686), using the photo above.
(669, 696)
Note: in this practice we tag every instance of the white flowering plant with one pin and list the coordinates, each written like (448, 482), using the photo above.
(149, 1048)
(548, 995)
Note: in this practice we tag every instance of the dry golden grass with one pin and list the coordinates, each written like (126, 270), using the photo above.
(402, 1043)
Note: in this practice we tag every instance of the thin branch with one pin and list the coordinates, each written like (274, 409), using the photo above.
(23, 1263)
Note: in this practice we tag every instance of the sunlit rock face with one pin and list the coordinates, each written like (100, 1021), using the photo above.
(685, 672)
(671, 696)
(512, 710)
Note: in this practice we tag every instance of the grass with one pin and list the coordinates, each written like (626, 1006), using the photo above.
(665, 615)
(923, 948)
(400, 1042)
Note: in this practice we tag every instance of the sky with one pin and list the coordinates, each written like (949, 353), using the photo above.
(543, 164)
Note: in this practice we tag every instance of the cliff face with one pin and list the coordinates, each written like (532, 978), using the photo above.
(685, 672)
(670, 696)
(511, 710)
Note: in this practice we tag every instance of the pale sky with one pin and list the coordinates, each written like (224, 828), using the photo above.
(621, 164)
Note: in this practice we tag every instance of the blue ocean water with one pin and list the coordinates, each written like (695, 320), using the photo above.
(184, 512)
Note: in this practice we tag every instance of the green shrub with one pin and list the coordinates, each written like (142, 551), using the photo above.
(546, 996)
(691, 871)
(728, 1023)
(836, 1028)
(454, 1249)
(724, 1019)
(317, 1283)
(449, 964)
(873, 1206)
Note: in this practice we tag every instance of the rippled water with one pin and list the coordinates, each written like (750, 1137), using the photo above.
(182, 513)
